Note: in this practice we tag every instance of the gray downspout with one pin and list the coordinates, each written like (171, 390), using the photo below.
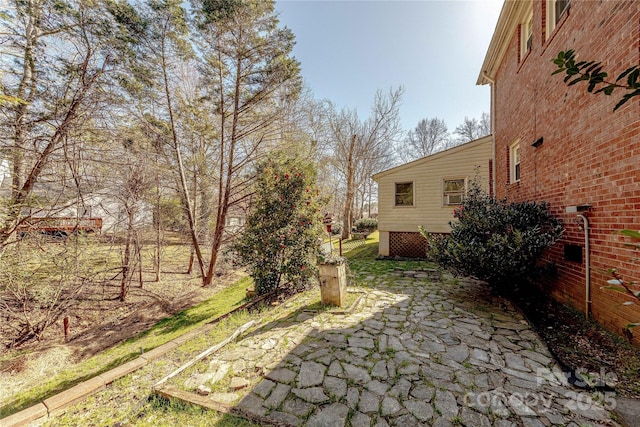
(587, 278)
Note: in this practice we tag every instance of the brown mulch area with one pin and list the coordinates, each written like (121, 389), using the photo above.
(582, 345)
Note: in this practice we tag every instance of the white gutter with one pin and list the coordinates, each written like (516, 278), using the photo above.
(492, 111)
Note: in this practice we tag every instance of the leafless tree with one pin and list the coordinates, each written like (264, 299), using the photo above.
(358, 144)
(484, 124)
(472, 129)
(131, 191)
(429, 136)
(33, 300)
(56, 61)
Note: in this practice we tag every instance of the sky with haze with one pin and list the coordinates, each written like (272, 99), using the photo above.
(435, 49)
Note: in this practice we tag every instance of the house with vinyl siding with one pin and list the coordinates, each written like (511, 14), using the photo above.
(425, 192)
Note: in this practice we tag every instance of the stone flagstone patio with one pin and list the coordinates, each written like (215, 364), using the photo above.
(415, 351)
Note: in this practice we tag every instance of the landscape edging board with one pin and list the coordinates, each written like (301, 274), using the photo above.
(54, 404)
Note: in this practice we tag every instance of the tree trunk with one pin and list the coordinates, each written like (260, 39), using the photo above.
(126, 259)
(158, 260)
(348, 203)
(26, 91)
(191, 259)
(139, 259)
(186, 201)
(223, 189)
(369, 205)
(346, 215)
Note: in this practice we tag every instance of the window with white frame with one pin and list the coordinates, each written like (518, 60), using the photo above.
(555, 11)
(404, 194)
(453, 191)
(514, 162)
(526, 34)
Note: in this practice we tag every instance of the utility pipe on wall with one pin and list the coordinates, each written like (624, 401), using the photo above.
(587, 275)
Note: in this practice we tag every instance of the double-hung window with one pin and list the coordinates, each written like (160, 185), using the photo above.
(452, 191)
(404, 194)
(556, 9)
(514, 162)
(526, 34)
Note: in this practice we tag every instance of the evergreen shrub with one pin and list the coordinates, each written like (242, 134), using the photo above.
(280, 241)
(493, 240)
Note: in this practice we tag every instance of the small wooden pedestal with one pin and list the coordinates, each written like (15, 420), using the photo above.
(333, 283)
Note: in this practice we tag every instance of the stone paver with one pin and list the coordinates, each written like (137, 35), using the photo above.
(311, 373)
(420, 349)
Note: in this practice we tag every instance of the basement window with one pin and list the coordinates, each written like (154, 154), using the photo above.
(573, 253)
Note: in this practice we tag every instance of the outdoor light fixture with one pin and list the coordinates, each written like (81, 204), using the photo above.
(538, 142)
(578, 208)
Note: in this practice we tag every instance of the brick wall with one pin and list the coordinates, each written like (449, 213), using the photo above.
(590, 155)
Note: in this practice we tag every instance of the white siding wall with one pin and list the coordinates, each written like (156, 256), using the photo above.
(468, 161)
(5, 172)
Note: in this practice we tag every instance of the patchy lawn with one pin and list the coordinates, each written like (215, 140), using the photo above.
(579, 344)
(32, 375)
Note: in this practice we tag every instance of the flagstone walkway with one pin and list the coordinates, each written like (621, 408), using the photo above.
(415, 351)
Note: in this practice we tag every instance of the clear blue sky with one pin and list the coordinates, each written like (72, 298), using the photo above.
(435, 49)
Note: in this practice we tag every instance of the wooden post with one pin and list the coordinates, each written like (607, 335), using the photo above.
(65, 323)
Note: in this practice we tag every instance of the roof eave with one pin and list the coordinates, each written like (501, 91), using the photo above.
(511, 15)
(427, 159)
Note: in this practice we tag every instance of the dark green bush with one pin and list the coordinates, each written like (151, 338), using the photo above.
(280, 241)
(366, 225)
(493, 240)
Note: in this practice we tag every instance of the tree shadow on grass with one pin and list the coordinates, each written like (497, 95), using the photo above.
(22, 402)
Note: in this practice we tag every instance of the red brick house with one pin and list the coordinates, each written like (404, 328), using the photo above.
(566, 146)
